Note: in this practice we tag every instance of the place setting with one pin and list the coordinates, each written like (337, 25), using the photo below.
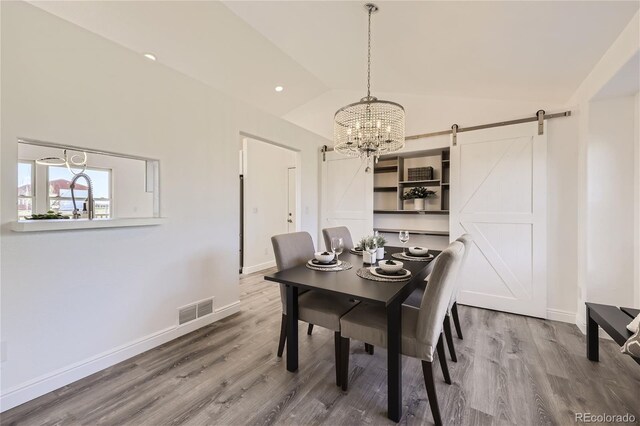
(415, 254)
(329, 261)
(387, 270)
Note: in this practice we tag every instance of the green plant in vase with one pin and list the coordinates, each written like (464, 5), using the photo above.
(418, 195)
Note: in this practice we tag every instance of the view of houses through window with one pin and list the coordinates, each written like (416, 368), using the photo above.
(57, 197)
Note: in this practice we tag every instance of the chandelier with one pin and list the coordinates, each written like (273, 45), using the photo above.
(371, 127)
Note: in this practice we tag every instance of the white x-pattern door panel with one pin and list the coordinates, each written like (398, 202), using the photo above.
(498, 195)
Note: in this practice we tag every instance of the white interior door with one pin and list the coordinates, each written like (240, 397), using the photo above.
(347, 195)
(291, 200)
(498, 195)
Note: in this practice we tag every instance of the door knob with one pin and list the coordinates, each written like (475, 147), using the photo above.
(289, 220)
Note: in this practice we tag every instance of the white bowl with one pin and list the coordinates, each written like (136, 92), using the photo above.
(391, 267)
(324, 256)
(420, 251)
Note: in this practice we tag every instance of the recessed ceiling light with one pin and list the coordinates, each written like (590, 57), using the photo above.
(279, 88)
(150, 56)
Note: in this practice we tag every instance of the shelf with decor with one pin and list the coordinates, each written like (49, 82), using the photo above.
(421, 173)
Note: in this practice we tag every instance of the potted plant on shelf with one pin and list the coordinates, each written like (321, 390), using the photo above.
(418, 194)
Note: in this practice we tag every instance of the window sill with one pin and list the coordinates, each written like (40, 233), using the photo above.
(74, 224)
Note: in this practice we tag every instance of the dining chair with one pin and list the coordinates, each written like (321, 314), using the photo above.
(344, 233)
(337, 232)
(314, 307)
(452, 312)
(421, 327)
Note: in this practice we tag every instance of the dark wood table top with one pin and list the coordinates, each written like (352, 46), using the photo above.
(347, 283)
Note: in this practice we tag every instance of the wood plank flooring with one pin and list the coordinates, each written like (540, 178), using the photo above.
(510, 370)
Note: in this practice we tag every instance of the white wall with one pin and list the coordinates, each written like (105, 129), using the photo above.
(619, 54)
(611, 197)
(63, 84)
(265, 200)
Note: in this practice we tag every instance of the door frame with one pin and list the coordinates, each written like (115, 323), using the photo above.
(242, 170)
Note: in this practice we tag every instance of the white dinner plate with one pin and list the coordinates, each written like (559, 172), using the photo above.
(319, 265)
(403, 277)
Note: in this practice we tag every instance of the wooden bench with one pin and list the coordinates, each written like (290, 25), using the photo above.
(613, 321)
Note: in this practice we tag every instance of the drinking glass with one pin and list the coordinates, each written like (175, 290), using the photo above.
(337, 246)
(372, 248)
(404, 237)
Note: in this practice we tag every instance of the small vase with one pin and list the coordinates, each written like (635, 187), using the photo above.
(380, 253)
(418, 203)
(366, 258)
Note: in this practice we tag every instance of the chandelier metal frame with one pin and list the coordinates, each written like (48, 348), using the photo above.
(371, 127)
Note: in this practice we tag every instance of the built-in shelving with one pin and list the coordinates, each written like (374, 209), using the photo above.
(419, 183)
(391, 214)
(386, 169)
(385, 189)
(415, 232)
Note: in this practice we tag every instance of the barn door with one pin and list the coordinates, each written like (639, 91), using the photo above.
(347, 195)
(498, 195)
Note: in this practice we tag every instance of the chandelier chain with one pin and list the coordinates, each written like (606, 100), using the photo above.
(369, 56)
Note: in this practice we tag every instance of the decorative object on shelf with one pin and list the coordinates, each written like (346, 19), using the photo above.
(371, 127)
(418, 194)
(420, 173)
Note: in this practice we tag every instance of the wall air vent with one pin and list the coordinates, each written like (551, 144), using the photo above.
(186, 314)
(205, 308)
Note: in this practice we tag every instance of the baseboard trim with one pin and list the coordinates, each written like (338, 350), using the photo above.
(49, 382)
(259, 267)
(560, 315)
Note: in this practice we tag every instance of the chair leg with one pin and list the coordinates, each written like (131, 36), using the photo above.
(336, 339)
(443, 360)
(427, 371)
(283, 335)
(344, 363)
(368, 348)
(446, 326)
(310, 329)
(456, 319)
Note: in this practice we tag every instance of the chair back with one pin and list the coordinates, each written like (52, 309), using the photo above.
(467, 240)
(436, 297)
(337, 232)
(291, 250)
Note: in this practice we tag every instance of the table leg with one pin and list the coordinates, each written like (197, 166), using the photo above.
(292, 328)
(394, 361)
(592, 338)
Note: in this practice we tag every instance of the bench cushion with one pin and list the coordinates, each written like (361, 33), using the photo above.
(632, 346)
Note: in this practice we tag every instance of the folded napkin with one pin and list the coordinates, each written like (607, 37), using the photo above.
(633, 325)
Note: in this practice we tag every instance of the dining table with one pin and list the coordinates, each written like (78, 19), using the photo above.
(348, 284)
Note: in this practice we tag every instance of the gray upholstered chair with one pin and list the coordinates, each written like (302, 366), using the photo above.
(421, 327)
(337, 232)
(314, 307)
(415, 298)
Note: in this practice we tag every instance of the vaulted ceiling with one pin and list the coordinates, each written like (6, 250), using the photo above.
(524, 51)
